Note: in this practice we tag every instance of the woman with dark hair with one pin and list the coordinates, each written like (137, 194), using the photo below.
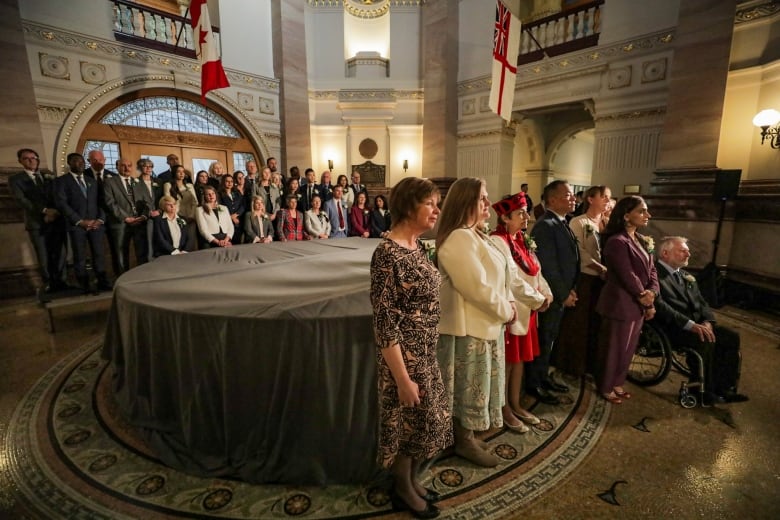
(627, 298)
(380, 218)
(214, 222)
(521, 341)
(201, 181)
(317, 221)
(239, 178)
(257, 226)
(183, 192)
(413, 409)
(347, 195)
(234, 202)
(476, 302)
(289, 222)
(360, 218)
(576, 352)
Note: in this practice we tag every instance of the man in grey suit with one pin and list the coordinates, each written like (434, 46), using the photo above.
(43, 223)
(560, 260)
(337, 214)
(125, 200)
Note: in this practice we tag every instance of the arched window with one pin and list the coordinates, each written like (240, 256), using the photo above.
(170, 113)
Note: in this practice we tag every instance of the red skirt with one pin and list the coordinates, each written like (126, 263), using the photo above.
(522, 348)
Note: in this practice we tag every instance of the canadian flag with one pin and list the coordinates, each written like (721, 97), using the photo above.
(506, 47)
(212, 75)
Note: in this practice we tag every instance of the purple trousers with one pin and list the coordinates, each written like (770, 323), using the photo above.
(620, 339)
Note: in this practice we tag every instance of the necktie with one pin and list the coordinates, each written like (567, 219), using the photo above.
(130, 192)
(99, 177)
(38, 179)
(678, 278)
(341, 215)
(82, 185)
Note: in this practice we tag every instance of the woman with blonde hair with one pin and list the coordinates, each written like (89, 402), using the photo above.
(183, 192)
(476, 301)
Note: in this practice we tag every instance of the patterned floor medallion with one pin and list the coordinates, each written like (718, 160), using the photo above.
(71, 455)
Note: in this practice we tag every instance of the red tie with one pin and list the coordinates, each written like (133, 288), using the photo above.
(341, 215)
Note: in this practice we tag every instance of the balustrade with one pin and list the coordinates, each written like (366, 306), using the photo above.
(560, 33)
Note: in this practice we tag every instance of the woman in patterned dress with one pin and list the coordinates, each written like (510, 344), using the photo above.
(414, 415)
(476, 301)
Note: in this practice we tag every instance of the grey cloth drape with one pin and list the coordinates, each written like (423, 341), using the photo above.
(256, 362)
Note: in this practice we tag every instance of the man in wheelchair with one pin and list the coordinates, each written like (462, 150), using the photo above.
(687, 320)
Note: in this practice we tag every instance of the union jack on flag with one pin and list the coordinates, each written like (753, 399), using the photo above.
(506, 46)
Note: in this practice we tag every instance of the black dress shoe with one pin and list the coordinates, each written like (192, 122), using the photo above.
(552, 386)
(734, 398)
(543, 395)
(398, 503)
(431, 495)
(710, 399)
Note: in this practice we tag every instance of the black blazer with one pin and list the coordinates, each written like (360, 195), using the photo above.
(162, 240)
(679, 304)
(72, 203)
(32, 198)
(379, 223)
(558, 255)
(107, 174)
(235, 205)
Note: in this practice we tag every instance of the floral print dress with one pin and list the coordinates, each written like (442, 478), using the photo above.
(405, 300)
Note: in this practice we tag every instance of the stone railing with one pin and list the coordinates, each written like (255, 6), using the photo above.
(154, 29)
(560, 33)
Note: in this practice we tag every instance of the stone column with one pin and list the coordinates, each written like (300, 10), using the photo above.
(21, 128)
(488, 154)
(698, 84)
(440, 78)
(290, 68)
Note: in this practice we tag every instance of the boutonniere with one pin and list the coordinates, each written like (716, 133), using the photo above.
(365, 212)
(529, 242)
(486, 227)
(298, 196)
(330, 190)
(316, 190)
(649, 244)
(48, 177)
(688, 277)
(590, 230)
(155, 185)
(180, 221)
(216, 210)
(430, 249)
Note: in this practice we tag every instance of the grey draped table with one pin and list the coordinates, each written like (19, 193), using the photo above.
(255, 362)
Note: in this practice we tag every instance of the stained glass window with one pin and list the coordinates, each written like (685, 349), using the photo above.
(170, 113)
(240, 159)
(110, 152)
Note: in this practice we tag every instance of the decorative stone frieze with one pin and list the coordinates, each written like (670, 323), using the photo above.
(93, 73)
(52, 114)
(54, 66)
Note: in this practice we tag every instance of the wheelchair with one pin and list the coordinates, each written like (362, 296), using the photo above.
(654, 358)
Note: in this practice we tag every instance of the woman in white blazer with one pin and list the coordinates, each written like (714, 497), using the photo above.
(476, 301)
(532, 294)
(316, 221)
(214, 222)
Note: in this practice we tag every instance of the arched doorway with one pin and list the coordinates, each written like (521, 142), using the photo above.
(153, 123)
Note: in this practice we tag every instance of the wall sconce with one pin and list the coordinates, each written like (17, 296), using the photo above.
(330, 164)
(766, 119)
(406, 165)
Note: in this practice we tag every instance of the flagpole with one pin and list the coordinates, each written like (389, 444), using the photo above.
(531, 35)
(184, 26)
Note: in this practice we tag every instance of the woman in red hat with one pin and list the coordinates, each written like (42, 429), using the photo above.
(530, 290)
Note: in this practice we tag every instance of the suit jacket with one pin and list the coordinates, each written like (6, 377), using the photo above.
(677, 303)
(379, 223)
(153, 193)
(163, 242)
(32, 198)
(235, 205)
(166, 176)
(326, 192)
(118, 202)
(252, 227)
(558, 254)
(89, 172)
(475, 293)
(630, 270)
(72, 203)
(304, 203)
(316, 227)
(359, 221)
(333, 216)
(358, 188)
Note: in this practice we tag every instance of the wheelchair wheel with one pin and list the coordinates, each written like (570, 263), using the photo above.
(652, 359)
(688, 401)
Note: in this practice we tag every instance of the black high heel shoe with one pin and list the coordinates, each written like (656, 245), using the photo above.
(399, 504)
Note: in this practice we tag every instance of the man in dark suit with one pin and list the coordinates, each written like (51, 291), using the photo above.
(43, 223)
(77, 200)
(559, 256)
(528, 202)
(356, 187)
(126, 200)
(167, 176)
(325, 187)
(688, 320)
(98, 171)
(308, 190)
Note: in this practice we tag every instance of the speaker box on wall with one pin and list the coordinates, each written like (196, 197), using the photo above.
(726, 184)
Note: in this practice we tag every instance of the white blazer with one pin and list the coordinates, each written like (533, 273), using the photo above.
(527, 296)
(208, 225)
(314, 226)
(475, 297)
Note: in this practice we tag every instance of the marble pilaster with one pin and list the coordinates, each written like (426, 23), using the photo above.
(290, 68)
(699, 71)
(440, 78)
(488, 155)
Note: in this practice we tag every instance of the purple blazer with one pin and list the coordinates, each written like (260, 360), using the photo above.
(630, 270)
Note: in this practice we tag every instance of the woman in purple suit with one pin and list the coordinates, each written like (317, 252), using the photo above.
(628, 296)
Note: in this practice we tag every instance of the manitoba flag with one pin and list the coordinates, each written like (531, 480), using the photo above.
(506, 46)
(212, 75)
